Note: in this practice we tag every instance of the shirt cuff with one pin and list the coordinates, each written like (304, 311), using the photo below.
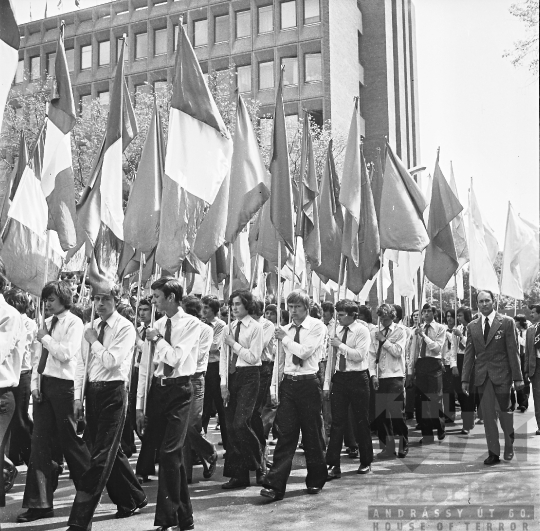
(139, 403)
(97, 347)
(343, 350)
(286, 340)
(45, 341)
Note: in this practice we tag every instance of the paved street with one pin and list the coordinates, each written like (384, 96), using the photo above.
(447, 477)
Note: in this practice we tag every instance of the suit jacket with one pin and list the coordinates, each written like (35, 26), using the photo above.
(530, 352)
(498, 357)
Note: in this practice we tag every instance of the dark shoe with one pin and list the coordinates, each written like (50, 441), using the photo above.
(441, 437)
(386, 455)
(32, 515)
(314, 490)
(212, 463)
(508, 453)
(403, 453)
(272, 494)
(522, 409)
(492, 460)
(353, 453)
(479, 422)
(364, 469)
(234, 483)
(121, 513)
(464, 432)
(418, 427)
(260, 474)
(334, 473)
(142, 479)
(188, 527)
(538, 432)
(9, 481)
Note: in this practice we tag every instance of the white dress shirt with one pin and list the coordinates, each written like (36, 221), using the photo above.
(181, 354)
(393, 353)
(30, 343)
(218, 327)
(12, 332)
(205, 340)
(64, 346)
(110, 361)
(328, 349)
(248, 348)
(448, 352)
(436, 336)
(269, 346)
(489, 318)
(355, 351)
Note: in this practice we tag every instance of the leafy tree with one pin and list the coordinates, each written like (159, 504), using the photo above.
(526, 50)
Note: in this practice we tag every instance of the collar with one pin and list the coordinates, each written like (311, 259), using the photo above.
(180, 314)
(247, 320)
(306, 324)
(352, 327)
(2, 300)
(62, 315)
(490, 318)
(113, 319)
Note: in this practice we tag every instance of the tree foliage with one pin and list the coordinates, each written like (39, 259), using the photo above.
(525, 52)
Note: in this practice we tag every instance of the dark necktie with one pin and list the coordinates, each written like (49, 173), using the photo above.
(295, 359)
(143, 338)
(537, 335)
(487, 327)
(101, 335)
(424, 344)
(381, 343)
(167, 369)
(342, 360)
(234, 357)
(44, 351)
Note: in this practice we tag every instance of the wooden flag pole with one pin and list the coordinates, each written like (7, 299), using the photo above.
(441, 303)
(264, 292)
(231, 270)
(381, 279)
(275, 384)
(86, 361)
(82, 293)
(137, 301)
(149, 364)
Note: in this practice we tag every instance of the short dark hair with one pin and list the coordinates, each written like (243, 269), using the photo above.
(125, 310)
(212, 302)
(18, 299)
(327, 306)
(272, 308)
(78, 310)
(491, 294)
(169, 285)
(258, 306)
(535, 307)
(364, 313)
(430, 307)
(387, 310)
(192, 305)
(399, 311)
(315, 310)
(61, 289)
(147, 301)
(347, 306)
(450, 311)
(467, 313)
(246, 297)
(521, 319)
(299, 296)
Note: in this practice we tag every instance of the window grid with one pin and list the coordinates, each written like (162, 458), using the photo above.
(19, 74)
(160, 41)
(266, 75)
(86, 57)
(313, 67)
(290, 74)
(70, 58)
(266, 19)
(288, 14)
(104, 53)
(244, 78)
(200, 33)
(312, 12)
(141, 45)
(221, 29)
(34, 68)
(243, 24)
(51, 58)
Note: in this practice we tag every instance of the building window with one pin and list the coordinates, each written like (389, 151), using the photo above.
(176, 32)
(200, 33)
(288, 14)
(104, 97)
(160, 41)
(34, 68)
(160, 86)
(266, 19)
(84, 105)
(266, 75)
(312, 12)
(313, 67)
(221, 29)
(141, 46)
(290, 74)
(70, 58)
(104, 53)
(51, 58)
(86, 57)
(19, 74)
(244, 78)
(243, 24)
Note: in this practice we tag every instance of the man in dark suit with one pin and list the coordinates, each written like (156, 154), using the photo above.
(492, 350)
(531, 369)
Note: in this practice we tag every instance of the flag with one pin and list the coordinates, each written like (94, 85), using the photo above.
(377, 183)
(281, 206)
(10, 41)
(481, 271)
(368, 238)
(458, 227)
(243, 191)
(12, 182)
(401, 225)
(268, 239)
(441, 260)
(57, 180)
(491, 242)
(331, 218)
(307, 219)
(142, 215)
(198, 159)
(350, 193)
(100, 213)
(520, 256)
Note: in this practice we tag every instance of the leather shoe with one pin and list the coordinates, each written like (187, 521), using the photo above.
(187, 528)
(441, 437)
(508, 453)
(353, 453)
(34, 514)
(492, 460)
(212, 464)
(386, 455)
(538, 432)
(314, 490)
(10, 480)
(334, 473)
(464, 432)
(403, 453)
(121, 513)
(260, 474)
(364, 469)
(272, 494)
(234, 483)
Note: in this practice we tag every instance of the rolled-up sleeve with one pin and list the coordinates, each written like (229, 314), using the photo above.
(177, 354)
(310, 343)
(120, 347)
(252, 354)
(66, 349)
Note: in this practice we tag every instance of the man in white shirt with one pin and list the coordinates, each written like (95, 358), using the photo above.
(300, 401)
(425, 366)
(171, 353)
(387, 370)
(108, 345)
(531, 369)
(240, 378)
(11, 354)
(53, 393)
(347, 373)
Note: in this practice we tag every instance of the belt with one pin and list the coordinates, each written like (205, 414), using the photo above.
(111, 383)
(165, 382)
(5, 389)
(199, 374)
(26, 372)
(298, 377)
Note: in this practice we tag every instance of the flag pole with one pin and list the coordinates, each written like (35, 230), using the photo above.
(275, 384)
(231, 270)
(82, 297)
(86, 361)
(441, 302)
(149, 363)
(381, 281)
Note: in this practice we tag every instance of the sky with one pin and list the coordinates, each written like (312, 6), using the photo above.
(474, 104)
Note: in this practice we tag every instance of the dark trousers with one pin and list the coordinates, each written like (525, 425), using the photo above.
(299, 409)
(244, 452)
(21, 424)
(449, 397)
(128, 434)
(106, 405)
(495, 403)
(265, 379)
(212, 398)
(389, 411)
(7, 408)
(535, 385)
(523, 393)
(54, 423)
(429, 383)
(194, 440)
(466, 402)
(350, 389)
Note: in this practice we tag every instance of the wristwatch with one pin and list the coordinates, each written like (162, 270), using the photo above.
(157, 338)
